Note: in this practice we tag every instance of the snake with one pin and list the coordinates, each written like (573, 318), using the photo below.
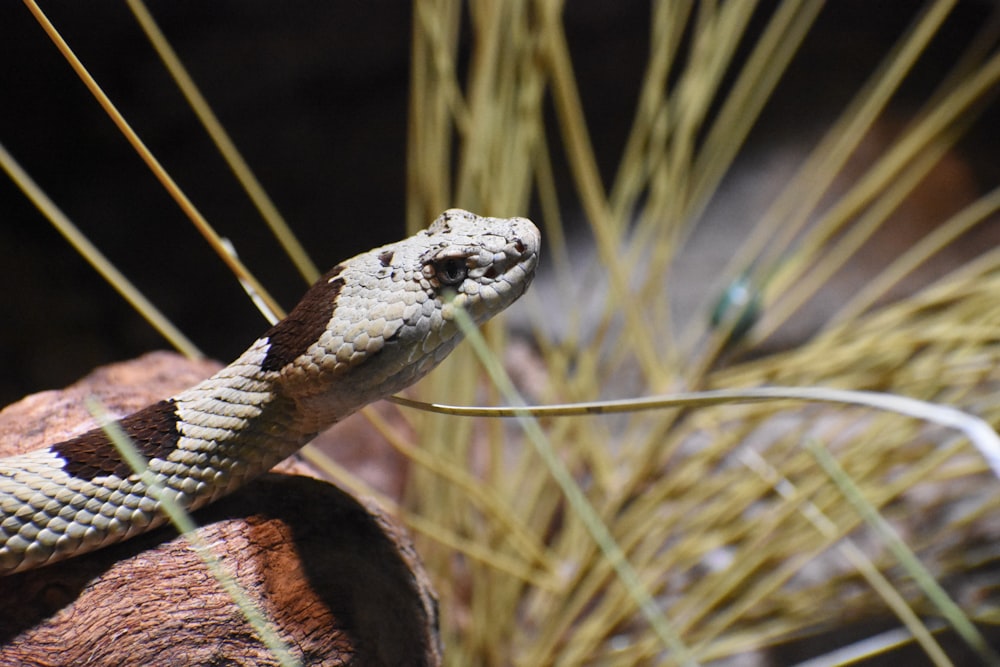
(368, 328)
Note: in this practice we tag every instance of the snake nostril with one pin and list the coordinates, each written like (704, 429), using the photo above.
(518, 245)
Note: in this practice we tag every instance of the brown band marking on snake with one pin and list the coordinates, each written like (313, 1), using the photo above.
(153, 430)
(293, 335)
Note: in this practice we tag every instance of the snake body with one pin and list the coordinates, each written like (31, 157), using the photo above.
(369, 327)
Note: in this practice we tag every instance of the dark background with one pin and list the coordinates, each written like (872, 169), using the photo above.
(315, 95)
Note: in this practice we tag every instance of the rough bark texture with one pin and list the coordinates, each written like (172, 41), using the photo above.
(336, 577)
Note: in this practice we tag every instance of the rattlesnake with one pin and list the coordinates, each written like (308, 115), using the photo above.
(369, 327)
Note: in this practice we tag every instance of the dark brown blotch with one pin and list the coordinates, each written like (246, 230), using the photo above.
(153, 431)
(293, 335)
(386, 257)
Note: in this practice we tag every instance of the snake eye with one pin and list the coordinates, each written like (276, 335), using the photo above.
(450, 271)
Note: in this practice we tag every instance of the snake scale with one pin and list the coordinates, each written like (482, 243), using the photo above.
(369, 327)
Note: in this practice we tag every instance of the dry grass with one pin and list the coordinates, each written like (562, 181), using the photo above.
(733, 527)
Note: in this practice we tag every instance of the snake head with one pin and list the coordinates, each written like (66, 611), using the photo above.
(479, 264)
(381, 320)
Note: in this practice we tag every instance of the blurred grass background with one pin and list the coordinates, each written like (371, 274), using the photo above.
(834, 163)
